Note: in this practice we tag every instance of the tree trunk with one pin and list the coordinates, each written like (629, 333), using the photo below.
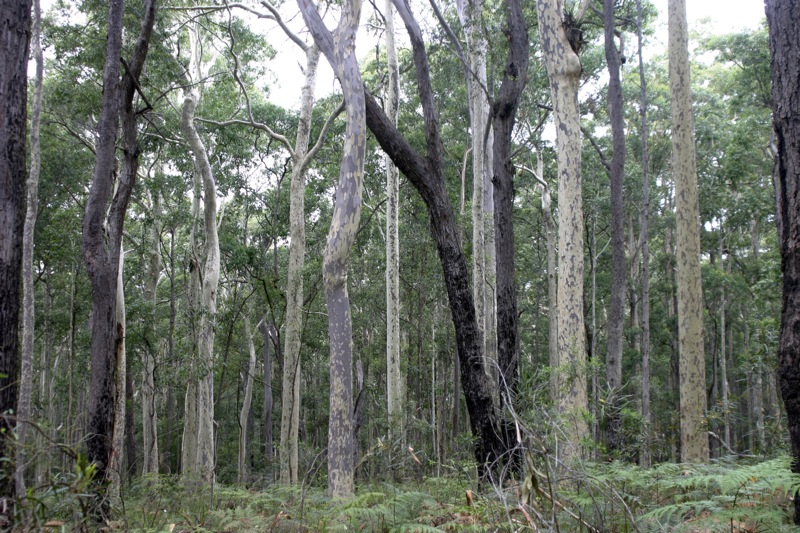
(644, 218)
(723, 356)
(564, 68)
(149, 413)
(504, 111)
(394, 377)
(426, 174)
(694, 438)
(203, 461)
(784, 40)
(264, 327)
(290, 396)
(341, 236)
(103, 226)
(116, 467)
(247, 403)
(470, 16)
(28, 318)
(616, 310)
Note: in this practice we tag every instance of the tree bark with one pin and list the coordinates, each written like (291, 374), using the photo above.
(784, 41)
(202, 462)
(694, 438)
(394, 377)
(504, 111)
(644, 219)
(341, 236)
(268, 402)
(616, 310)
(28, 302)
(290, 397)
(426, 174)
(149, 413)
(14, 43)
(563, 69)
(116, 468)
(247, 403)
(101, 248)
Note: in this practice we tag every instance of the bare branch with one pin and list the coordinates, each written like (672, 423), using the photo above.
(322, 134)
(277, 18)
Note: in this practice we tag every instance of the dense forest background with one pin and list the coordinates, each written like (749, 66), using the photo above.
(215, 166)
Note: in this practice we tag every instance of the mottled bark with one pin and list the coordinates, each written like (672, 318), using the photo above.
(616, 308)
(290, 398)
(504, 110)
(644, 219)
(426, 174)
(341, 236)
(103, 225)
(28, 310)
(694, 438)
(563, 69)
(394, 377)
(784, 41)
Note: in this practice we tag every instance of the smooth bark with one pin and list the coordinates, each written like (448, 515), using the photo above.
(247, 402)
(694, 438)
(149, 392)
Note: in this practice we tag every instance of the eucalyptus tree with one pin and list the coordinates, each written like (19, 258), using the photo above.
(560, 48)
(784, 41)
(694, 439)
(28, 304)
(15, 39)
(342, 233)
(101, 255)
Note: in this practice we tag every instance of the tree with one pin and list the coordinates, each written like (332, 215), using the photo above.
(694, 440)
(28, 311)
(616, 311)
(563, 70)
(15, 41)
(342, 234)
(100, 254)
(784, 45)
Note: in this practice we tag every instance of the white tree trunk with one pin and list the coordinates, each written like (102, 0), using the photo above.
(28, 317)
(247, 403)
(290, 397)
(564, 68)
(694, 438)
(394, 378)
(116, 468)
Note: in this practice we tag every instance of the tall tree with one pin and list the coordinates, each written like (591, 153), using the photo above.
(28, 304)
(103, 223)
(341, 236)
(150, 455)
(14, 44)
(694, 439)
(616, 310)
(784, 45)
(504, 109)
(198, 453)
(563, 70)
(394, 378)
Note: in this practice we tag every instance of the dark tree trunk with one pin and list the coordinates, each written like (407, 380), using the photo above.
(101, 251)
(130, 441)
(267, 408)
(784, 43)
(616, 311)
(15, 34)
(504, 112)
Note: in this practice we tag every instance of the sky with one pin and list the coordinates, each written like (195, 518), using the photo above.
(717, 16)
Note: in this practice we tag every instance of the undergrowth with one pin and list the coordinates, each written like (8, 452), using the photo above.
(722, 496)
